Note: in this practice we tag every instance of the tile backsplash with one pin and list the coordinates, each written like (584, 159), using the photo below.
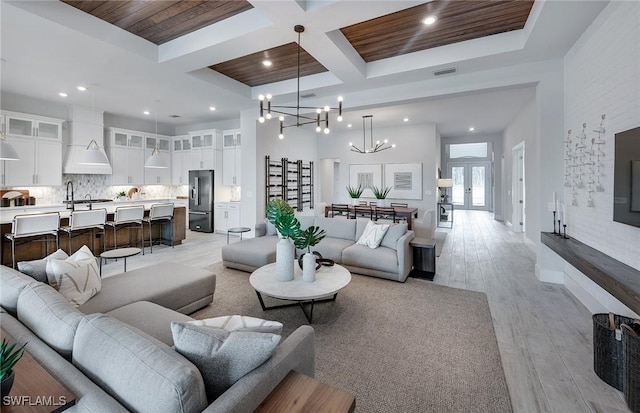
(97, 186)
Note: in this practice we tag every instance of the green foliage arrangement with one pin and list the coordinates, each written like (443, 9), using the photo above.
(355, 192)
(381, 193)
(9, 356)
(281, 215)
(121, 193)
(308, 238)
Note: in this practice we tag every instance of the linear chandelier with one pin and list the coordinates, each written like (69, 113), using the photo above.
(379, 145)
(321, 122)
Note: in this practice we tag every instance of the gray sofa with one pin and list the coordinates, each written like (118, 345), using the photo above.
(392, 260)
(114, 353)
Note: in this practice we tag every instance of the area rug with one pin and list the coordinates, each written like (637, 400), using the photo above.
(439, 237)
(398, 347)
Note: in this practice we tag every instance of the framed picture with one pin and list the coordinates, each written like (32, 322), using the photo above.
(367, 176)
(405, 180)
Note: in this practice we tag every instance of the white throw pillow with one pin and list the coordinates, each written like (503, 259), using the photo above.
(222, 357)
(77, 278)
(241, 323)
(373, 234)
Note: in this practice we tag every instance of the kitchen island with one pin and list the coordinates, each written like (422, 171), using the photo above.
(91, 238)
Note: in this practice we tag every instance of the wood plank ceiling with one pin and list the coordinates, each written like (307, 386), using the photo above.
(389, 36)
(160, 21)
(459, 20)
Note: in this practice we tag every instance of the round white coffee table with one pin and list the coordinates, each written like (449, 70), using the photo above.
(329, 280)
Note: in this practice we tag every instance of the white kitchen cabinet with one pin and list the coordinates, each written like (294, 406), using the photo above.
(231, 158)
(38, 142)
(226, 215)
(203, 147)
(157, 176)
(180, 160)
(126, 154)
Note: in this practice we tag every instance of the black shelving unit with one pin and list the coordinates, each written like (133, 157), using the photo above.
(290, 180)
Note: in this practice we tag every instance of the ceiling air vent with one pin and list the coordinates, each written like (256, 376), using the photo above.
(445, 71)
(174, 116)
(308, 95)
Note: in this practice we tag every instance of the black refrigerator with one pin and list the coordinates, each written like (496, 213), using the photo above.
(201, 201)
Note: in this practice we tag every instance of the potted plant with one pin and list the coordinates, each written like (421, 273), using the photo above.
(121, 195)
(9, 356)
(381, 193)
(355, 193)
(306, 239)
(282, 216)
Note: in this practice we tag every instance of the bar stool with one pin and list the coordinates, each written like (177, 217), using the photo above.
(127, 217)
(83, 221)
(33, 225)
(162, 213)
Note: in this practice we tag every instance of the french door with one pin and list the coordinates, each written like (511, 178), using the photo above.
(471, 185)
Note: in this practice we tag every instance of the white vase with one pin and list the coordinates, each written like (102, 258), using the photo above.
(309, 267)
(381, 203)
(355, 201)
(285, 253)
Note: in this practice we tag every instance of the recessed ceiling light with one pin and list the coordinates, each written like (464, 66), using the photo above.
(146, 112)
(349, 125)
(212, 108)
(406, 119)
(62, 94)
(429, 20)
(82, 88)
(471, 129)
(267, 63)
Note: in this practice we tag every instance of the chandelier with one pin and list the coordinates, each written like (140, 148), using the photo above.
(321, 122)
(379, 145)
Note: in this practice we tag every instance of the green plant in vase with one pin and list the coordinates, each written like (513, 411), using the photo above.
(282, 216)
(306, 239)
(9, 356)
(355, 192)
(381, 193)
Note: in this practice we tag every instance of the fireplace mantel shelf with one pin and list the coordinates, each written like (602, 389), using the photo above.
(617, 278)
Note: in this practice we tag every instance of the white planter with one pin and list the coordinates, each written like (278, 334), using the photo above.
(285, 254)
(381, 203)
(355, 201)
(309, 267)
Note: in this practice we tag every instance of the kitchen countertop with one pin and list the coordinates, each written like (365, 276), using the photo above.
(7, 213)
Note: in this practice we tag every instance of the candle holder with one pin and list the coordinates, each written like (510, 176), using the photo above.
(564, 227)
(559, 228)
(554, 223)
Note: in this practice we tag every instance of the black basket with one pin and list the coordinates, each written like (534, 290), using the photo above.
(631, 375)
(608, 356)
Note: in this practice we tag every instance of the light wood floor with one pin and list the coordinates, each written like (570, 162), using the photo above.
(543, 332)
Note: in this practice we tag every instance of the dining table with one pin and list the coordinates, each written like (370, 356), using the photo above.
(404, 212)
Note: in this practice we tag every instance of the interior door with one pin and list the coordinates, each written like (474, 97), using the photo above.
(471, 185)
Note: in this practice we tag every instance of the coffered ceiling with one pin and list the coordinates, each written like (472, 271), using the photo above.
(183, 57)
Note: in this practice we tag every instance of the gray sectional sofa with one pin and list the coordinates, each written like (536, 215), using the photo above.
(114, 352)
(391, 260)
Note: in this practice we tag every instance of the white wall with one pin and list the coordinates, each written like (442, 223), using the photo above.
(414, 144)
(601, 76)
(523, 128)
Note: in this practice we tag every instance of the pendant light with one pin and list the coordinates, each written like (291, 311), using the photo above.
(157, 159)
(94, 155)
(7, 153)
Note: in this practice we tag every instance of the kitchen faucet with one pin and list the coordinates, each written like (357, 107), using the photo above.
(90, 203)
(70, 184)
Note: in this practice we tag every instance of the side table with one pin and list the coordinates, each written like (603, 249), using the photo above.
(237, 230)
(119, 253)
(298, 393)
(445, 214)
(424, 258)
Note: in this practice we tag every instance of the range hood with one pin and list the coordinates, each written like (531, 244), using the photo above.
(84, 125)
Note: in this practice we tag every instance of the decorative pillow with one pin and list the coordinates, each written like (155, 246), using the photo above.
(37, 269)
(241, 323)
(395, 232)
(373, 234)
(222, 357)
(76, 278)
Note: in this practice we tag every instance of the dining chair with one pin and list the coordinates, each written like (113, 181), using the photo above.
(400, 205)
(340, 210)
(363, 211)
(160, 213)
(127, 217)
(385, 214)
(84, 221)
(33, 225)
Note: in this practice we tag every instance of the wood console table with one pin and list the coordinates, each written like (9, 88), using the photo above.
(298, 393)
(34, 389)
(617, 278)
